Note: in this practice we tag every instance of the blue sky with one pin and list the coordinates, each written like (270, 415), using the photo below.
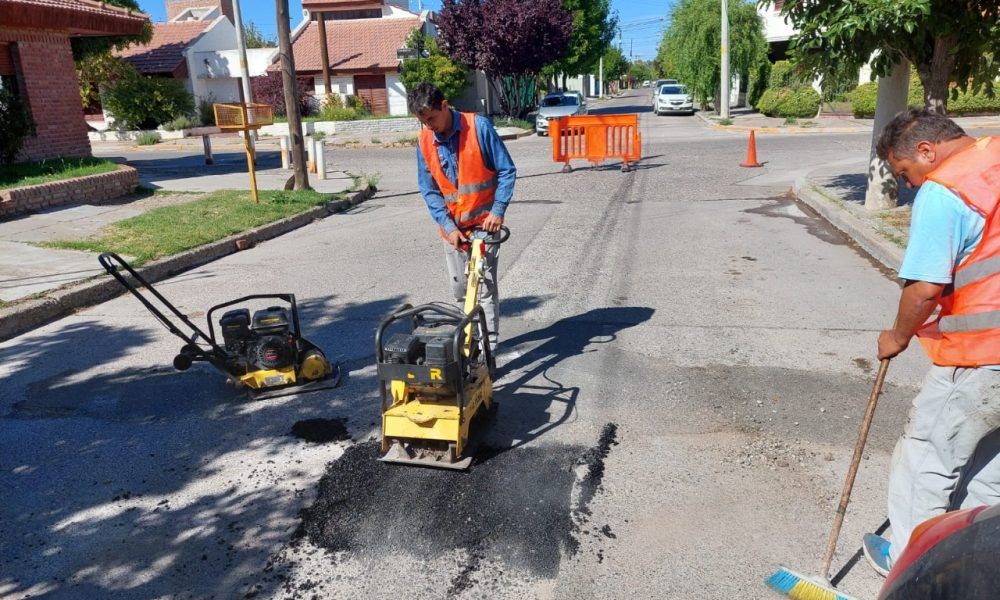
(642, 21)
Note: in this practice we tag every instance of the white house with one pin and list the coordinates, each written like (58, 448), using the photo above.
(197, 44)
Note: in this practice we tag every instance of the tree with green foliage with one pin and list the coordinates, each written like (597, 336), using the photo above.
(253, 37)
(87, 46)
(692, 41)
(509, 40)
(433, 66)
(946, 40)
(640, 71)
(15, 125)
(615, 64)
(95, 65)
(139, 102)
(94, 70)
(593, 29)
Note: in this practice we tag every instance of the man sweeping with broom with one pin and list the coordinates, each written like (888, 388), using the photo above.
(953, 261)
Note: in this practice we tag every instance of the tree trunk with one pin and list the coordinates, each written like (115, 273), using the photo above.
(935, 76)
(563, 83)
(291, 98)
(883, 190)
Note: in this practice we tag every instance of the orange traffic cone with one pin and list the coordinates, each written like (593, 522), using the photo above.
(751, 160)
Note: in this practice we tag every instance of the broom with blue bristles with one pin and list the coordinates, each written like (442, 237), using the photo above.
(801, 587)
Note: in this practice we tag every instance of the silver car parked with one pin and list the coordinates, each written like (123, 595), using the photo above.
(562, 104)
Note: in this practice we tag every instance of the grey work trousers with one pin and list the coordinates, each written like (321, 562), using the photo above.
(946, 443)
(489, 297)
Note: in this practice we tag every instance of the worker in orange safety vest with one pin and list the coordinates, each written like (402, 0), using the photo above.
(947, 456)
(466, 178)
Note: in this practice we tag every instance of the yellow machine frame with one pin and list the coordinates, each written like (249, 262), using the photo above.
(422, 407)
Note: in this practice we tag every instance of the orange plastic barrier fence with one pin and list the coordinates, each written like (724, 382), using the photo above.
(595, 138)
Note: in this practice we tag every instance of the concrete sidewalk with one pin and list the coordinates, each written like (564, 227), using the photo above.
(746, 120)
(27, 270)
(837, 192)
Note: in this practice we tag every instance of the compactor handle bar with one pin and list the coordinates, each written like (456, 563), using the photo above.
(498, 237)
(114, 265)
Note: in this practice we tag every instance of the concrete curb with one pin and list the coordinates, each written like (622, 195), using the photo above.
(780, 130)
(864, 231)
(25, 316)
(514, 136)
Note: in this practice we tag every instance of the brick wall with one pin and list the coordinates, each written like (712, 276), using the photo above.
(176, 7)
(47, 79)
(92, 188)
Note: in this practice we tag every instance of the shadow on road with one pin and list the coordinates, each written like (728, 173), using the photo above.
(622, 109)
(534, 402)
(852, 187)
(123, 471)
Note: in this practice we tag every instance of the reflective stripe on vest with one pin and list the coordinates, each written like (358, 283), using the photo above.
(966, 333)
(973, 322)
(472, 199)
(977, 271)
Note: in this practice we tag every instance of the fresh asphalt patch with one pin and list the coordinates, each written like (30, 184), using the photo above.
(321, 431)
(523, 507)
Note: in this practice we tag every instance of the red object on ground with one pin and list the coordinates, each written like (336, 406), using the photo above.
(952, 555)
(751, 160)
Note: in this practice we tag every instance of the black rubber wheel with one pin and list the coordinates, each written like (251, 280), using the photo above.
(182, 362)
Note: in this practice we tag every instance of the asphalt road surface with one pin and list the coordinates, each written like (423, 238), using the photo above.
(685, 357)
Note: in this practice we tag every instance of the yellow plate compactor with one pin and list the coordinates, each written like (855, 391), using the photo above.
(264, 353)
(437, 379)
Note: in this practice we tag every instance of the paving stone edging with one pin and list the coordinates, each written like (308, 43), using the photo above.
(27, 315)
(854, 223)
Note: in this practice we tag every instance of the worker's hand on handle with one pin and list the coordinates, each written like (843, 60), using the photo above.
(456, 238)
(889, 344)
(492, 223)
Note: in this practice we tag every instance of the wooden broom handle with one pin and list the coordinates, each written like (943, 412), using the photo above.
(859, 449)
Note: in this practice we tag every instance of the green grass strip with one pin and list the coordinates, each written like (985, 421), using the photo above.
(34, 173)
(172, 229)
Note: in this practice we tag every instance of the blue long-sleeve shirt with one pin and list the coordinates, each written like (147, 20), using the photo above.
(495, 157)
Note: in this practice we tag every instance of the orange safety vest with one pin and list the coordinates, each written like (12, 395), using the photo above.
(471, 202)
(966, 332)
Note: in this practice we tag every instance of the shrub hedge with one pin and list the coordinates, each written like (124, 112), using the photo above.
(959, 103)
(800, 101)
(139, 102)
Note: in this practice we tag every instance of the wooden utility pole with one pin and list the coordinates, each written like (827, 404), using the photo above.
(324, 52)
(291, 97)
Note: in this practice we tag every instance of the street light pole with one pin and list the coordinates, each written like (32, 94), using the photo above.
(241, 45)
(724, 67)
(241, 48)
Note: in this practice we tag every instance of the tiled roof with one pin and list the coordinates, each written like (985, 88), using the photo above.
(354, 45)
(163, 54)
(84, 17)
